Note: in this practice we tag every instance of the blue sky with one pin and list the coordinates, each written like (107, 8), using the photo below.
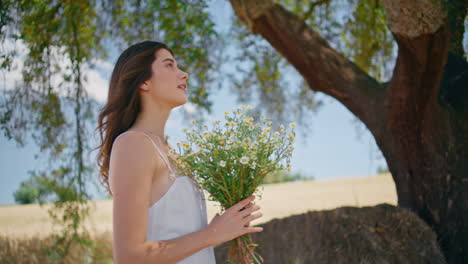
(336, 146)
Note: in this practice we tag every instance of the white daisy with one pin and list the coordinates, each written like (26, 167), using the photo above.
(244, 160)
(253, 165)
(222, 163)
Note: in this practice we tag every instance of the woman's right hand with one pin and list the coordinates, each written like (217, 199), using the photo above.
(234, 222)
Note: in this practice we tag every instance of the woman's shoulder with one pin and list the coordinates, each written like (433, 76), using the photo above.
(129, 139)
(131, 148)
(131, 134)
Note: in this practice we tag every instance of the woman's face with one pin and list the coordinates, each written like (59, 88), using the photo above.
(166, 79)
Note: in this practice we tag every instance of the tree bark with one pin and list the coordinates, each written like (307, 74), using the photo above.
(427, 148)
(419, 120)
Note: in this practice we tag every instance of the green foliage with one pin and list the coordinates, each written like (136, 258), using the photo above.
(31, 190)
(381, 170)
(61, 39)
(357, 28)
(26, 194)
(284, 176)
(185, 26)
(368, 40)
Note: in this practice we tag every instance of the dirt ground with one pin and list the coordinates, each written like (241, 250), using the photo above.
(276, 201)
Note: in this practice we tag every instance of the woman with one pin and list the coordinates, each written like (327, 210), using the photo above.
(158, 215)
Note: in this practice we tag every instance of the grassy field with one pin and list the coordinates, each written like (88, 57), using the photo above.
(277, 201)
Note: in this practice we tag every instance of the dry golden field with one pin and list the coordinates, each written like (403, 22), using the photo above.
(277, 201)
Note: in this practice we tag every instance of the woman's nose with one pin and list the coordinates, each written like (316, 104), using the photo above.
(184, 75)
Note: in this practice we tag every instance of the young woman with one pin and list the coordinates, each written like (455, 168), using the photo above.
(158, 215)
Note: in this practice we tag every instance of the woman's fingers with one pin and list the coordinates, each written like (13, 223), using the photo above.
(249, 210)
(249, 205)
(252, 229)
(238, 206)
(251, 217)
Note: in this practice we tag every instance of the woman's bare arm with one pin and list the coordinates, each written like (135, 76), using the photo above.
(221, 229)
(133, 163)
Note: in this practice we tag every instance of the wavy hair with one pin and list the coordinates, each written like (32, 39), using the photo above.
(123, 105)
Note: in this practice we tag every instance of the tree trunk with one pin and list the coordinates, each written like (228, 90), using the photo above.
(426, 145)
(419, 120)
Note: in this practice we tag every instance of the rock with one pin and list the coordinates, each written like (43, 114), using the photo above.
(375, 234)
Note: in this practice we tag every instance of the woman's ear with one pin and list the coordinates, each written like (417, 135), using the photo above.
(144, 86)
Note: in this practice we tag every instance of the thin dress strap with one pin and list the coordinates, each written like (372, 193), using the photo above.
(154, 144)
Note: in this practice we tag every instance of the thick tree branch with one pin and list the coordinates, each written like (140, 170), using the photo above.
(249, 10)
(418, 72)
(422, 32)
(414, 18)
(323, 67)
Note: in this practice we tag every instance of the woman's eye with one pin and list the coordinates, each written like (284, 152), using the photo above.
(170, 64)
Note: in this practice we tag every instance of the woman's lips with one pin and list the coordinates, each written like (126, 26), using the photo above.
(183, 87)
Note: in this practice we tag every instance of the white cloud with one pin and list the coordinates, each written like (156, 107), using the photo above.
(96, 85)
(8, 78)
(105, 65)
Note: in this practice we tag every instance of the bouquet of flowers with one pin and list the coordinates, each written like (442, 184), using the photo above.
(230, 161)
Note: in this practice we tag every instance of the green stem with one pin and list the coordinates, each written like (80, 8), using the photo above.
(227, 190)
(241, 181)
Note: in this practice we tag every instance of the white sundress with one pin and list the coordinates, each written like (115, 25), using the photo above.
(180, 211)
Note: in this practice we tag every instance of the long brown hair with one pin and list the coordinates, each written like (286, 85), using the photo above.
(123, 105)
